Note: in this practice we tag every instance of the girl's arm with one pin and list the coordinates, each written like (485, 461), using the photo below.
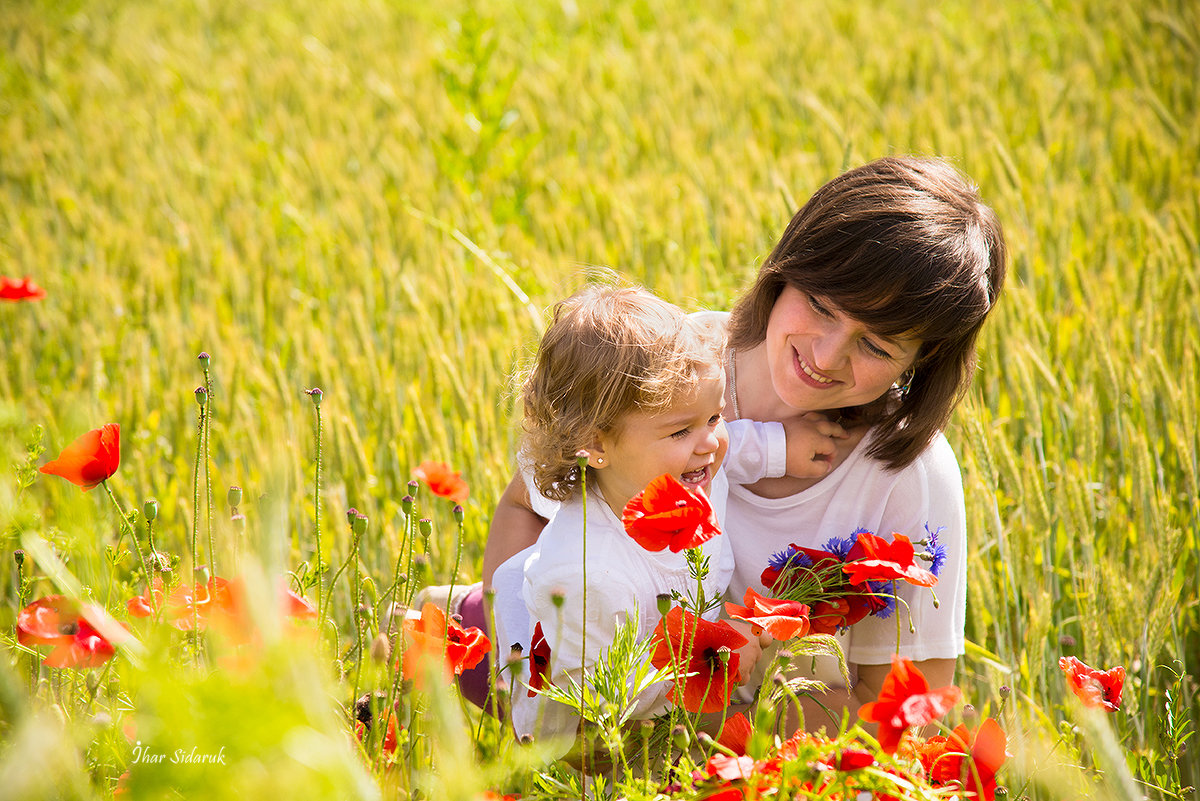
(515, 526)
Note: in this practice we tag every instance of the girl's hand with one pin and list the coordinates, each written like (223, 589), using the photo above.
(751, 652)
(813, 443)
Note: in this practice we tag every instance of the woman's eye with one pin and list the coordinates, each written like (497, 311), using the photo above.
(876, 351)
(818, 307)
(716, 418)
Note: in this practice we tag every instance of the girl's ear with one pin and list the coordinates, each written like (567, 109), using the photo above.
(596, 456)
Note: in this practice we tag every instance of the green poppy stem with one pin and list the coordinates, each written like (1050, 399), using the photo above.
(136, 545)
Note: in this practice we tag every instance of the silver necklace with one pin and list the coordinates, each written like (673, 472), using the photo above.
(737, 415)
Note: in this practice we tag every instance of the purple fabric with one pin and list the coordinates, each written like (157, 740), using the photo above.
(473, 683)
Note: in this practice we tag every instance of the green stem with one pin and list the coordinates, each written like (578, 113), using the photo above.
(587, 744)
(212, 551)
(396, 666)
(317, 507)
(133, 536)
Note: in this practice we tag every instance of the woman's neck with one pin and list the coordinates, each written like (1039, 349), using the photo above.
(756, 397)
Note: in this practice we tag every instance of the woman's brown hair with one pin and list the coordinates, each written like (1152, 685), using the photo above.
(905, 246)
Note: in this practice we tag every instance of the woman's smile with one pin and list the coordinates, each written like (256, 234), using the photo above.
(805, 370)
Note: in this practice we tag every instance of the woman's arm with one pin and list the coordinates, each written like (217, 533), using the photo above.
(515, 526)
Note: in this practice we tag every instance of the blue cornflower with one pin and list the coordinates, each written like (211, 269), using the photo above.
(840, 546)
(936, 550)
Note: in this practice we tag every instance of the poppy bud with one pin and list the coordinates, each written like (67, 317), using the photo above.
(381, 649)
(369, 591)
(202, 573)
(525, 739)
(93, 681)
(315, 393)
(1066, 641)
(679, 736)
(1005, 691)
(19, 557)
(364, 612)
(406, 504)
(425, 526)
(359, 525)
(969, 714)
(413, 486)
(201, 396)
(557, 597)
(723, 654)
(351, 513)
(516, 663)
(204, 360)
(581, 458)
(1001, 792)
(458, 512)
(150, 509)
(664, 603)
(234, 498)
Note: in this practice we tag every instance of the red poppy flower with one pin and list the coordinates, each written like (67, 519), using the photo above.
(735, 734)
(873, 558)
(666, 515)
(847, 759)
(966, 759)
(906, 700)
(429, 635)
(296, 607)
(57, 621)
(783, 620)
(443, 481)
(539, 661)
(144, 605)
(730, 767)
(695, 646)
(199, 603)
(23, 289)
(90, 459)
(1096, 688)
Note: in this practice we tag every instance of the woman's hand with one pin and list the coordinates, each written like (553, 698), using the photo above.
(515, 526)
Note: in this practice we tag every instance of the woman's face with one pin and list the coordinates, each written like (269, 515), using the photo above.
(822, 359)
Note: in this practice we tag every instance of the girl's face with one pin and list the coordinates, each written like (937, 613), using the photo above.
(687, 441)
(820, 358)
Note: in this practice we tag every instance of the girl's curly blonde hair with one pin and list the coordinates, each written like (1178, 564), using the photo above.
(608, 351)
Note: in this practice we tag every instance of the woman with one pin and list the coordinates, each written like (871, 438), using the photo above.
(867, 309)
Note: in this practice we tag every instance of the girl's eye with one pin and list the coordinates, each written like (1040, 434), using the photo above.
(681, 433)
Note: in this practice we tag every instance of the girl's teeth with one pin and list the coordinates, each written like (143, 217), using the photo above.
(694, 477)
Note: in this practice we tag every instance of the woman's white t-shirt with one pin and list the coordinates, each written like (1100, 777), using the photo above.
(926, 496)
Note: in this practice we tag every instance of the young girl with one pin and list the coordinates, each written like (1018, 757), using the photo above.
(638, 387)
